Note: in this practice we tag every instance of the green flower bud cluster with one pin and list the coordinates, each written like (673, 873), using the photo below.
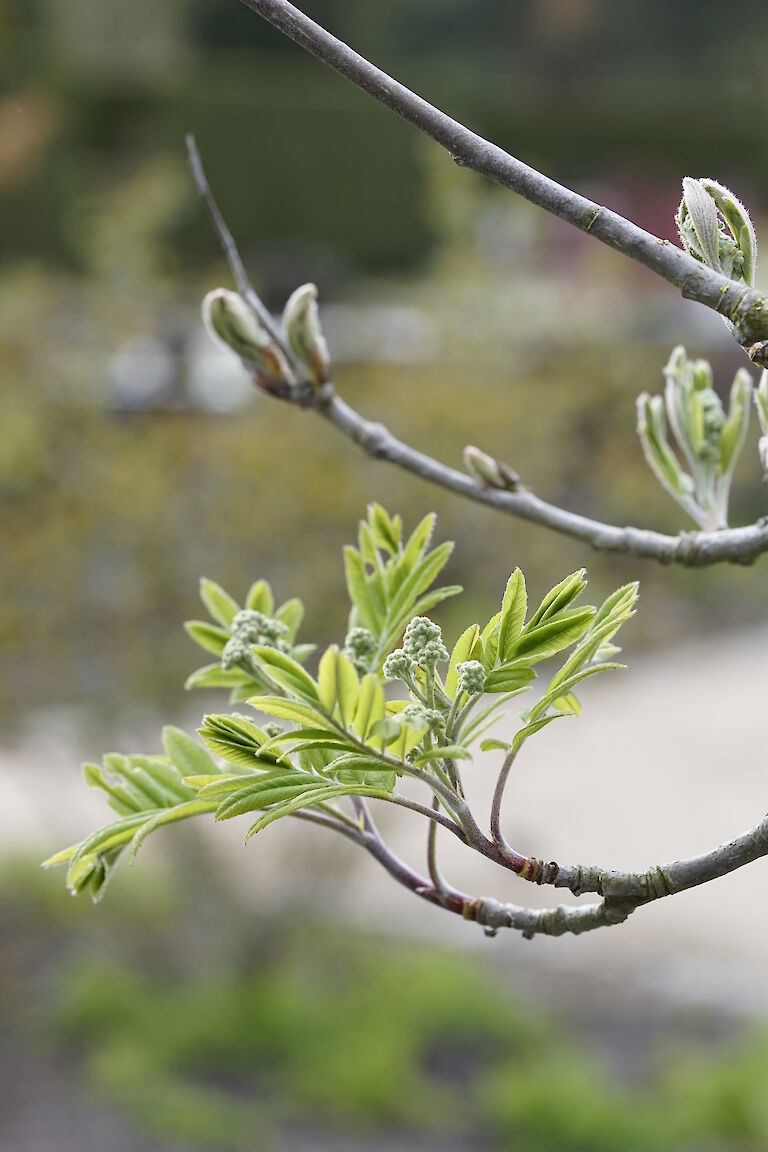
(417, 715)
(236, 653)
(423, 642)
(709, 439)
(360, 647)
(471, 677)
(271, 730)
(250, 627)
(257, 628)
(398, 666)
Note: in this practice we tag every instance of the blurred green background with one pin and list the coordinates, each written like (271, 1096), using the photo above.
(134, 458)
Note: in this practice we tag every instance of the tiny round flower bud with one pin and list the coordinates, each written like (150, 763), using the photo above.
(416, 715)
(271, 730)
(471, 677)
(257, 628)
(419, 632)
(236, 652)
(360, 647)
(433, 652)
(398, 665)
(361, 641)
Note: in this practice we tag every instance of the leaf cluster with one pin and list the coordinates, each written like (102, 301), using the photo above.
(318, 741)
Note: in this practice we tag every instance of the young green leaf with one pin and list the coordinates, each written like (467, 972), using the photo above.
(370, 705)
(492, 745)
(417, 581)
(364, 592)
(386, 530)
(260, 599)
(553, 635)
(236, 739)
(286, 672)
(505, 679)
(513, 609)
(558, 598)
(338, 685)
(295, 710)
(189, 757)
(208, 636)
(214, 676)
(219, 603)
(291, 614)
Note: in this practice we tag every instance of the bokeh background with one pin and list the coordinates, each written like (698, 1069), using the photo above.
(285, 997)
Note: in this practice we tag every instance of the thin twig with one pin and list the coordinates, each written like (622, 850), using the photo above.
(689, 549)
(231, 253)
(498, 797)
(743, 306)
(433, 867)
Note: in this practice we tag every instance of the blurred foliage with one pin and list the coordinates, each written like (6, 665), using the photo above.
(198, 1023)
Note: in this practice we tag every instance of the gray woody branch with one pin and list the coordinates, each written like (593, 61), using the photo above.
(621, 892)
(692, 549)
(743, 306)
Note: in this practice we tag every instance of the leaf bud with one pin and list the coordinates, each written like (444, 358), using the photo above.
(489, 471)
(301, 324)
(233, 324)
(715, 228)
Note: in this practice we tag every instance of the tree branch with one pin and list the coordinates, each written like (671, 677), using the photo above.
(743, 306)
(689, 549)
(622, 892)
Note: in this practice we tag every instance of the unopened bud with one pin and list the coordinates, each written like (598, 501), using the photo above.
(471, 677)
(398, 665)
(489, 471)
(231, 323)
(301, 325)
(715, 228)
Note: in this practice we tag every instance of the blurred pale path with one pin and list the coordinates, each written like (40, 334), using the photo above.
(666, 760)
